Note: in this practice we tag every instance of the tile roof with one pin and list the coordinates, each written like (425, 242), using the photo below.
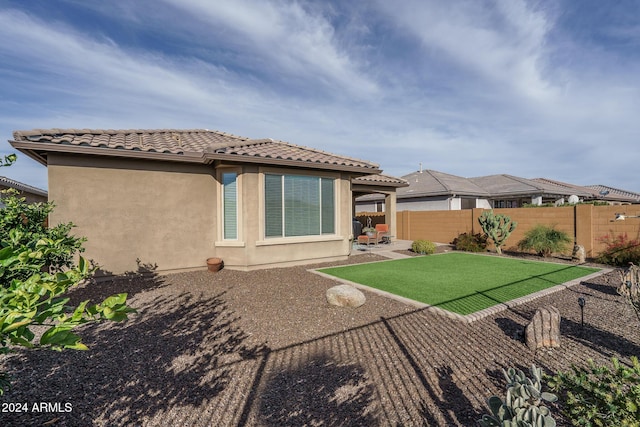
(10, 183)
(509, 185)
(615, 192)
(574, 189)
(380, 179)
(431, 183)
(187, 144)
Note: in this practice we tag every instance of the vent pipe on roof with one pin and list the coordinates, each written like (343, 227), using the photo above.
(420, 167)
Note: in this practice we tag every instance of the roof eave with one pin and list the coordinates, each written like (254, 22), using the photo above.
(36, 152)
(210, 157)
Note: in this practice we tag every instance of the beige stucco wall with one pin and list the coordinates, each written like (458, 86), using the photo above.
(166, 214)
(161, 213)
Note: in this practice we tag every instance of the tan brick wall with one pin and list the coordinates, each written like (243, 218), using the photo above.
(587, 224)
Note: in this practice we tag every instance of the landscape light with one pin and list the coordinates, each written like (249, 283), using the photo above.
(581, 303)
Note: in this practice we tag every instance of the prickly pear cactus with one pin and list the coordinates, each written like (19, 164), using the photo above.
(497, 227)
(523, 404)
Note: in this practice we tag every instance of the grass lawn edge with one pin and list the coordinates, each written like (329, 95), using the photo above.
(472, 317)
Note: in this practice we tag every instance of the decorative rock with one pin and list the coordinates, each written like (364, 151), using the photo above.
(544, 329)
(578, 254)
(345, 296)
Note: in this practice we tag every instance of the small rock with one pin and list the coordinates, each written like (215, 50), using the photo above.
(345, 296)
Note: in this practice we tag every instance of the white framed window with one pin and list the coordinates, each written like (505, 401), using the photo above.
(298, 205)
(229, 205)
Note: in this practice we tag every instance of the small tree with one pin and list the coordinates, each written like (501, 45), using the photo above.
(36, 271)
(497, 227)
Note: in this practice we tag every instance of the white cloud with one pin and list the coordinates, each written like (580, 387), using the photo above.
(504, 45)
(302, 44)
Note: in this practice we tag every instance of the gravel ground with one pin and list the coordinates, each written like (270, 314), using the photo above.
(264, 348)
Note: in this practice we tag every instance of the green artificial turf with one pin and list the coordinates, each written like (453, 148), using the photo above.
(460, 282)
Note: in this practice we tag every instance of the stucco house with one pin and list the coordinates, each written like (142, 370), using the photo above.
(434, 190)
(30, 193)
(177, 197)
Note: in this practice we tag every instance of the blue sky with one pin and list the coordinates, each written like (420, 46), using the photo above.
(468, 87)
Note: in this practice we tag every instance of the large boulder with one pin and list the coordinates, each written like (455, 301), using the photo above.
(345, 296)
(544, 329)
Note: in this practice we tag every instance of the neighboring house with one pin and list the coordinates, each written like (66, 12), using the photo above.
(430, 190)
(177, 197)
(31, 194)
(508, 191)
(433, 190)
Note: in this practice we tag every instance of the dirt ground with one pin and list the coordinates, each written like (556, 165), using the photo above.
(264, 348)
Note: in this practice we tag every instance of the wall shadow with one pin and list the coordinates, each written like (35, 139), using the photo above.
(495, 295)
(318, 392)
(176, 351)
(599, 340)
(144, 278)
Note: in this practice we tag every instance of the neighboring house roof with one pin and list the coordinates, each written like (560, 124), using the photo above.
(578, 190)
(433, 183)
(10, 183)
(429, 183)
(615, 192)
(382, 180)
(198, 145)
(504, 185)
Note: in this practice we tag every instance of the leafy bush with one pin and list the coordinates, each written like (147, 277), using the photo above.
(424, 247)
(600, 396)
(36, 271)
(523, 404)
(470, 242)
(545, 240)
(497, 227)
(619, 250)
(23, 225)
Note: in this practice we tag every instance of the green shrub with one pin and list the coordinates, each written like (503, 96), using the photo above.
(523, 405)
(37, 269)
(424, 247)
(470, 242)
(619, 250)
(545, 240)
(600, 396)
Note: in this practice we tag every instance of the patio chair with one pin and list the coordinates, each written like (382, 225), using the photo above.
(382, 233)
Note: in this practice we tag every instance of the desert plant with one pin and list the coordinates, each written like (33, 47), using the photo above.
(600, 396)
(545, 240)
(523, 403)
(423, 247)
(470, 242)
(619, 250)
(497, 227)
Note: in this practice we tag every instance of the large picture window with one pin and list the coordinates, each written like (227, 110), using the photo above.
(298, 205)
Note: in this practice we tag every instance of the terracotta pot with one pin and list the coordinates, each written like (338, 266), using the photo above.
(215, 264)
